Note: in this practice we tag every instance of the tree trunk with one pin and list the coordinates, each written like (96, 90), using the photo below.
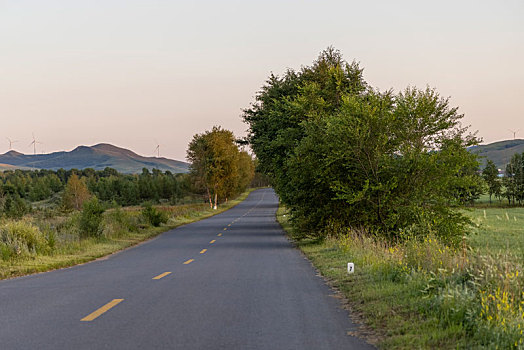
(215, 207)
(209, 197)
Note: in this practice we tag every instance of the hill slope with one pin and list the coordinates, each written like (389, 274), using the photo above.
(97, 157)
(499, 152)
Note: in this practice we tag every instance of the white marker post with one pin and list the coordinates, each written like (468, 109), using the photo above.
(351, 267)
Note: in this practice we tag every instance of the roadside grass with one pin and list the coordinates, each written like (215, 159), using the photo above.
(424, 295)
(121, 228)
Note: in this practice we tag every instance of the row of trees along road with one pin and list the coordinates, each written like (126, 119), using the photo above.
(218, 167)
(342, 154)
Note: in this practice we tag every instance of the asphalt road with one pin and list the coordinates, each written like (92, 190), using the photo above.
(232, 281)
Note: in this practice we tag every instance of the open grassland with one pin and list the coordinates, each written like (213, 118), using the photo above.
(500, 231)
(423, 294)
(43, 242)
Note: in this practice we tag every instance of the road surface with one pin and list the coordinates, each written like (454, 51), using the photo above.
(232, 281)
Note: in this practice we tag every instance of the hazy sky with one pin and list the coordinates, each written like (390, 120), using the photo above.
(132, 72)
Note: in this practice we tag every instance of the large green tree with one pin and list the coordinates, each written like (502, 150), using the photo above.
(341, 154)
(277, 118)
(217, 165)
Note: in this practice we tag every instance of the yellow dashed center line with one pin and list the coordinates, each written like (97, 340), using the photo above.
(102, 310)
(229, 225)
(219, 235)
(161, 275)
(225, 228)
(203, 251)
(189, 261)
(213, 241)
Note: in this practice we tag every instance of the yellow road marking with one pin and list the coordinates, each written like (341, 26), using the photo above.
(219, 235)
(225, 228)
(203, 251)
(103, 309)
(213, 241)
(229, 225)
(161, 275)
(189, 261)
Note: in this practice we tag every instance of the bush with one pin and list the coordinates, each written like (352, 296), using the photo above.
(91, 218)
(68, 227)
(118, 222)
(15, 207)
(20, 238)
(153, 216)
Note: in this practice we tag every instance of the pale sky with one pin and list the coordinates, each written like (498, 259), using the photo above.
(134, 73)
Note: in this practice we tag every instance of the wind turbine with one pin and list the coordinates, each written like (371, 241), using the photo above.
(157, 149)
(34, 143)
(514, 133)
(11, 142)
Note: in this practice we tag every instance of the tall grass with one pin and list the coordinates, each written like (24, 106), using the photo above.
(21, 239)
(421, 293)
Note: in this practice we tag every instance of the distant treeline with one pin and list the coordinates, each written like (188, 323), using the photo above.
(19, 187)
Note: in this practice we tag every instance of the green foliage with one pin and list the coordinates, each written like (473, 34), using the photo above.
(339, 152)
(153, 216)
(76, 193)
(118, 222)
(21, 238)
(514, 179)
(490, 174)
(217, 165)
(108, 185)
(91, 218)
(13, 206)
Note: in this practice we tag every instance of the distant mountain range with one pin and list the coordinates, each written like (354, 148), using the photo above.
(123, 160)
(499, 152)
(97, 157)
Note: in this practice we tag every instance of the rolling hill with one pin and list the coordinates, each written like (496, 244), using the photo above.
(97, 157)
(10, 167)
(499, 152)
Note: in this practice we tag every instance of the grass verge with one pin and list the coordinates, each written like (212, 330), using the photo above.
(424, 295)
(71, 250)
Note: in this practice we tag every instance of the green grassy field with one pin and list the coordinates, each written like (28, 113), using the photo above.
(424, 295)
(501, 231)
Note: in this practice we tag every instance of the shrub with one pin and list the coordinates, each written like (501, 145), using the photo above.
(91, 218)
(15, 207)
(118, 222)
(68, 227)
(20, 238)
(153, 216)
